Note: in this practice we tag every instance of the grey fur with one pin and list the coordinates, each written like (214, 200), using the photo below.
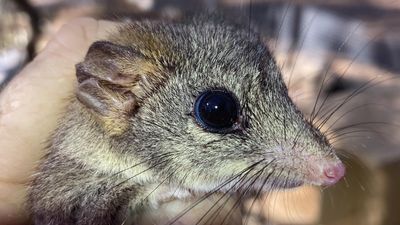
(88, 175)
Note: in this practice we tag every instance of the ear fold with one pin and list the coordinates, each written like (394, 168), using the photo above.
(113, 80)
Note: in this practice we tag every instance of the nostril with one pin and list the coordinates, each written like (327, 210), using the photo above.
(334, 173)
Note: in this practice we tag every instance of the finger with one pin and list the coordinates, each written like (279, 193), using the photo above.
(79, 33)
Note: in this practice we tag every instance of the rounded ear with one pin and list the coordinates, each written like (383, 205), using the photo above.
(112, 82)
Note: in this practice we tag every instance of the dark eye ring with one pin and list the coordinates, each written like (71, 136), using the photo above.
(217, 111)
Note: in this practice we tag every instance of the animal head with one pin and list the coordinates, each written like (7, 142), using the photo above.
(205, 101)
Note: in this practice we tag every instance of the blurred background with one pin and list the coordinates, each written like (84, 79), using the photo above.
(340, 59)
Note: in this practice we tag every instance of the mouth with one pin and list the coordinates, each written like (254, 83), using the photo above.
(260, 185)
(289, 184)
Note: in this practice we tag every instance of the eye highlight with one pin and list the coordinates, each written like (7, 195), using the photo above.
(216, 111)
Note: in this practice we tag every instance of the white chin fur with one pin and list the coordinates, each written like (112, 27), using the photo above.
(174, 202)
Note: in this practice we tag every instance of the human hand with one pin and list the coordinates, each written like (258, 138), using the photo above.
(30, 106)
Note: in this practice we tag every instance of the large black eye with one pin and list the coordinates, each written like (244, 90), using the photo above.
(216, 110)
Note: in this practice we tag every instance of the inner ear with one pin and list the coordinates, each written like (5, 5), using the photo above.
(107, 61)
(111, 83)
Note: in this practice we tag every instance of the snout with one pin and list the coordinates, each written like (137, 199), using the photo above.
(333, 173)
(327, 174)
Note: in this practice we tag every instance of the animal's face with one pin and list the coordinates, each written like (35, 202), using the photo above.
(213, 106)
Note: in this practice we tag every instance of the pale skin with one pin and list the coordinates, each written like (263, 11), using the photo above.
(30, 106)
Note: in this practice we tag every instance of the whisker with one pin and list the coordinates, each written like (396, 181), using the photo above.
(239, 200)
(367, 85)
(216, 213)
(258, 194)
(347, 68)
(362, 123)
(260, 171)
(159, 185)
(357, 91)
(245, 171)
(281, 24)
(350, 111)
(130, 178)
(301, 47)
(339, 49)
(138, 164)
(352, 132)
(219, 209)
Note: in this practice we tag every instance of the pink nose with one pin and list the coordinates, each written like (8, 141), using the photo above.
(333, 173)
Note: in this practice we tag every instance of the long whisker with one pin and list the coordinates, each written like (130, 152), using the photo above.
(249, 186)
(138, 164)
(350, 111)
(257, 195)
(360, 124)
(346, 69)
(367, 85)
(301, 47)
(354, 93)
(159, 185)
(245, 171)
(219, 209)
(339, 49)
(143, 171)
(239, 200)
(281, 25)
